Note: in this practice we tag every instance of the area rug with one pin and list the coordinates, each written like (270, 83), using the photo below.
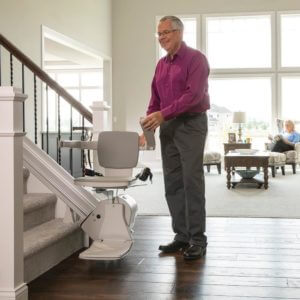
(280, 200)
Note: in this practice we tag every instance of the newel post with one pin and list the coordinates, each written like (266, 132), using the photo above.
(12, 284)
(100, 123)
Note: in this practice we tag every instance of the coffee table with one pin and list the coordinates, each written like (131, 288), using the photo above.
(236, 159)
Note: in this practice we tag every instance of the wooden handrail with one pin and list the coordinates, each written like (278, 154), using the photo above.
(45, 78)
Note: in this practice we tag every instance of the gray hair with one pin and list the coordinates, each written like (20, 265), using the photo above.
(176, 22)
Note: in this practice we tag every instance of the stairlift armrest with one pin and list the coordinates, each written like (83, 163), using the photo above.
(91, 145)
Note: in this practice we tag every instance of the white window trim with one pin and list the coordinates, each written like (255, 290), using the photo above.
(280, 68)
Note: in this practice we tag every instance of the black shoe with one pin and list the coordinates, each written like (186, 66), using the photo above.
(194, 252)
(173, 247)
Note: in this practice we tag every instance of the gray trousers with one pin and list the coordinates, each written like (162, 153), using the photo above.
(182, 147)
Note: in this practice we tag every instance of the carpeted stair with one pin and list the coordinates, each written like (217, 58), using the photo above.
(47, 241)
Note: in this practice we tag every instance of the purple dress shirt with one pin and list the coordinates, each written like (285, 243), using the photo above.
(180, 85)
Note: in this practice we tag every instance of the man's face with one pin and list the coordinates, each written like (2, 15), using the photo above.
(169, 39)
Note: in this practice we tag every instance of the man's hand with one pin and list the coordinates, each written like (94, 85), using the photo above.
(152, 121)
(142, 140)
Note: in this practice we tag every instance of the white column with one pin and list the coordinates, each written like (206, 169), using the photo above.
(107, 88)
(100, 123)
(12, 284)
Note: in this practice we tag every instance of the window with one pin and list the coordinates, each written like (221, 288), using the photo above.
(84, 85)
(290, 95)
(290, 42)
(249, 94)
(239, 41)
(240, 45)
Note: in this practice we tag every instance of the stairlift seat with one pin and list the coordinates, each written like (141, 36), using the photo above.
(108, 182)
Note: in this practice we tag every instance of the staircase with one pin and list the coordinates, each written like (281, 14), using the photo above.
(47, 240)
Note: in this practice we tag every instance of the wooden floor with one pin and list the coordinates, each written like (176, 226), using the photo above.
(246, 259)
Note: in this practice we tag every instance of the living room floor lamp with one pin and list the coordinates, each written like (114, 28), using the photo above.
(240, 118)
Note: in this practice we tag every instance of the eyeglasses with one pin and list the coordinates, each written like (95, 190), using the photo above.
(164, 33)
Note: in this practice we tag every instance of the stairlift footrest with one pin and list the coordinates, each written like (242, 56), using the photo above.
(107, 250)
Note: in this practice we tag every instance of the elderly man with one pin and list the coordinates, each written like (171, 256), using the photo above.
(178, 105)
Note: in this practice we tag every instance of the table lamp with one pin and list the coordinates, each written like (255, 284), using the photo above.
(240, 118)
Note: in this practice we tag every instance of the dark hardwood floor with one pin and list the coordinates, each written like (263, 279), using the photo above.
(246, 259)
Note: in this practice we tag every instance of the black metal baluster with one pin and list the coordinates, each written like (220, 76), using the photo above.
(58, 132)
(71, 138)
(35, 110)
(11, 70)
(42, 132)
(0, 67)
(47, 121)
(23, 92)
(82, 151)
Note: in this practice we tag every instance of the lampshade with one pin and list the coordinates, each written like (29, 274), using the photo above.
(239, 117)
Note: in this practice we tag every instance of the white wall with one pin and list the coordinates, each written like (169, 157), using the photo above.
(134, 45)
(88, 22)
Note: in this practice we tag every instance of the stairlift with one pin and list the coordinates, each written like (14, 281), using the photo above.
(110, 224)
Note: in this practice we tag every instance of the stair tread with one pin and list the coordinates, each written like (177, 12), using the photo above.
(34, 201)
(46, 234)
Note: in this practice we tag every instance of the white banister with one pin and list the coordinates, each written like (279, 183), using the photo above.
(12, 284)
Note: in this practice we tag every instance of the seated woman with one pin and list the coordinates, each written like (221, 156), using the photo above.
(288, 139)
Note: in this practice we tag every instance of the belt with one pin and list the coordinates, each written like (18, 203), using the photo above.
(190, 115)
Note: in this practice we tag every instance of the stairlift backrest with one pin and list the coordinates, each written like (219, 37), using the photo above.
(118, 152)
(118, 149)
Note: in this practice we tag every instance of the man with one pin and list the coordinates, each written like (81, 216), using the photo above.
(178, 104)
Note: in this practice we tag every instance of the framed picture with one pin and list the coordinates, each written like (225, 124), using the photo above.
(231, 137)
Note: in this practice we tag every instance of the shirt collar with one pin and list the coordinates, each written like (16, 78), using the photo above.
(179, 53)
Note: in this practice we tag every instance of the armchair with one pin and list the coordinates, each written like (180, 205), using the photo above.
(291, 157)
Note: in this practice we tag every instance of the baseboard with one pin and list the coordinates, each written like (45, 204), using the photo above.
(20, 293)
